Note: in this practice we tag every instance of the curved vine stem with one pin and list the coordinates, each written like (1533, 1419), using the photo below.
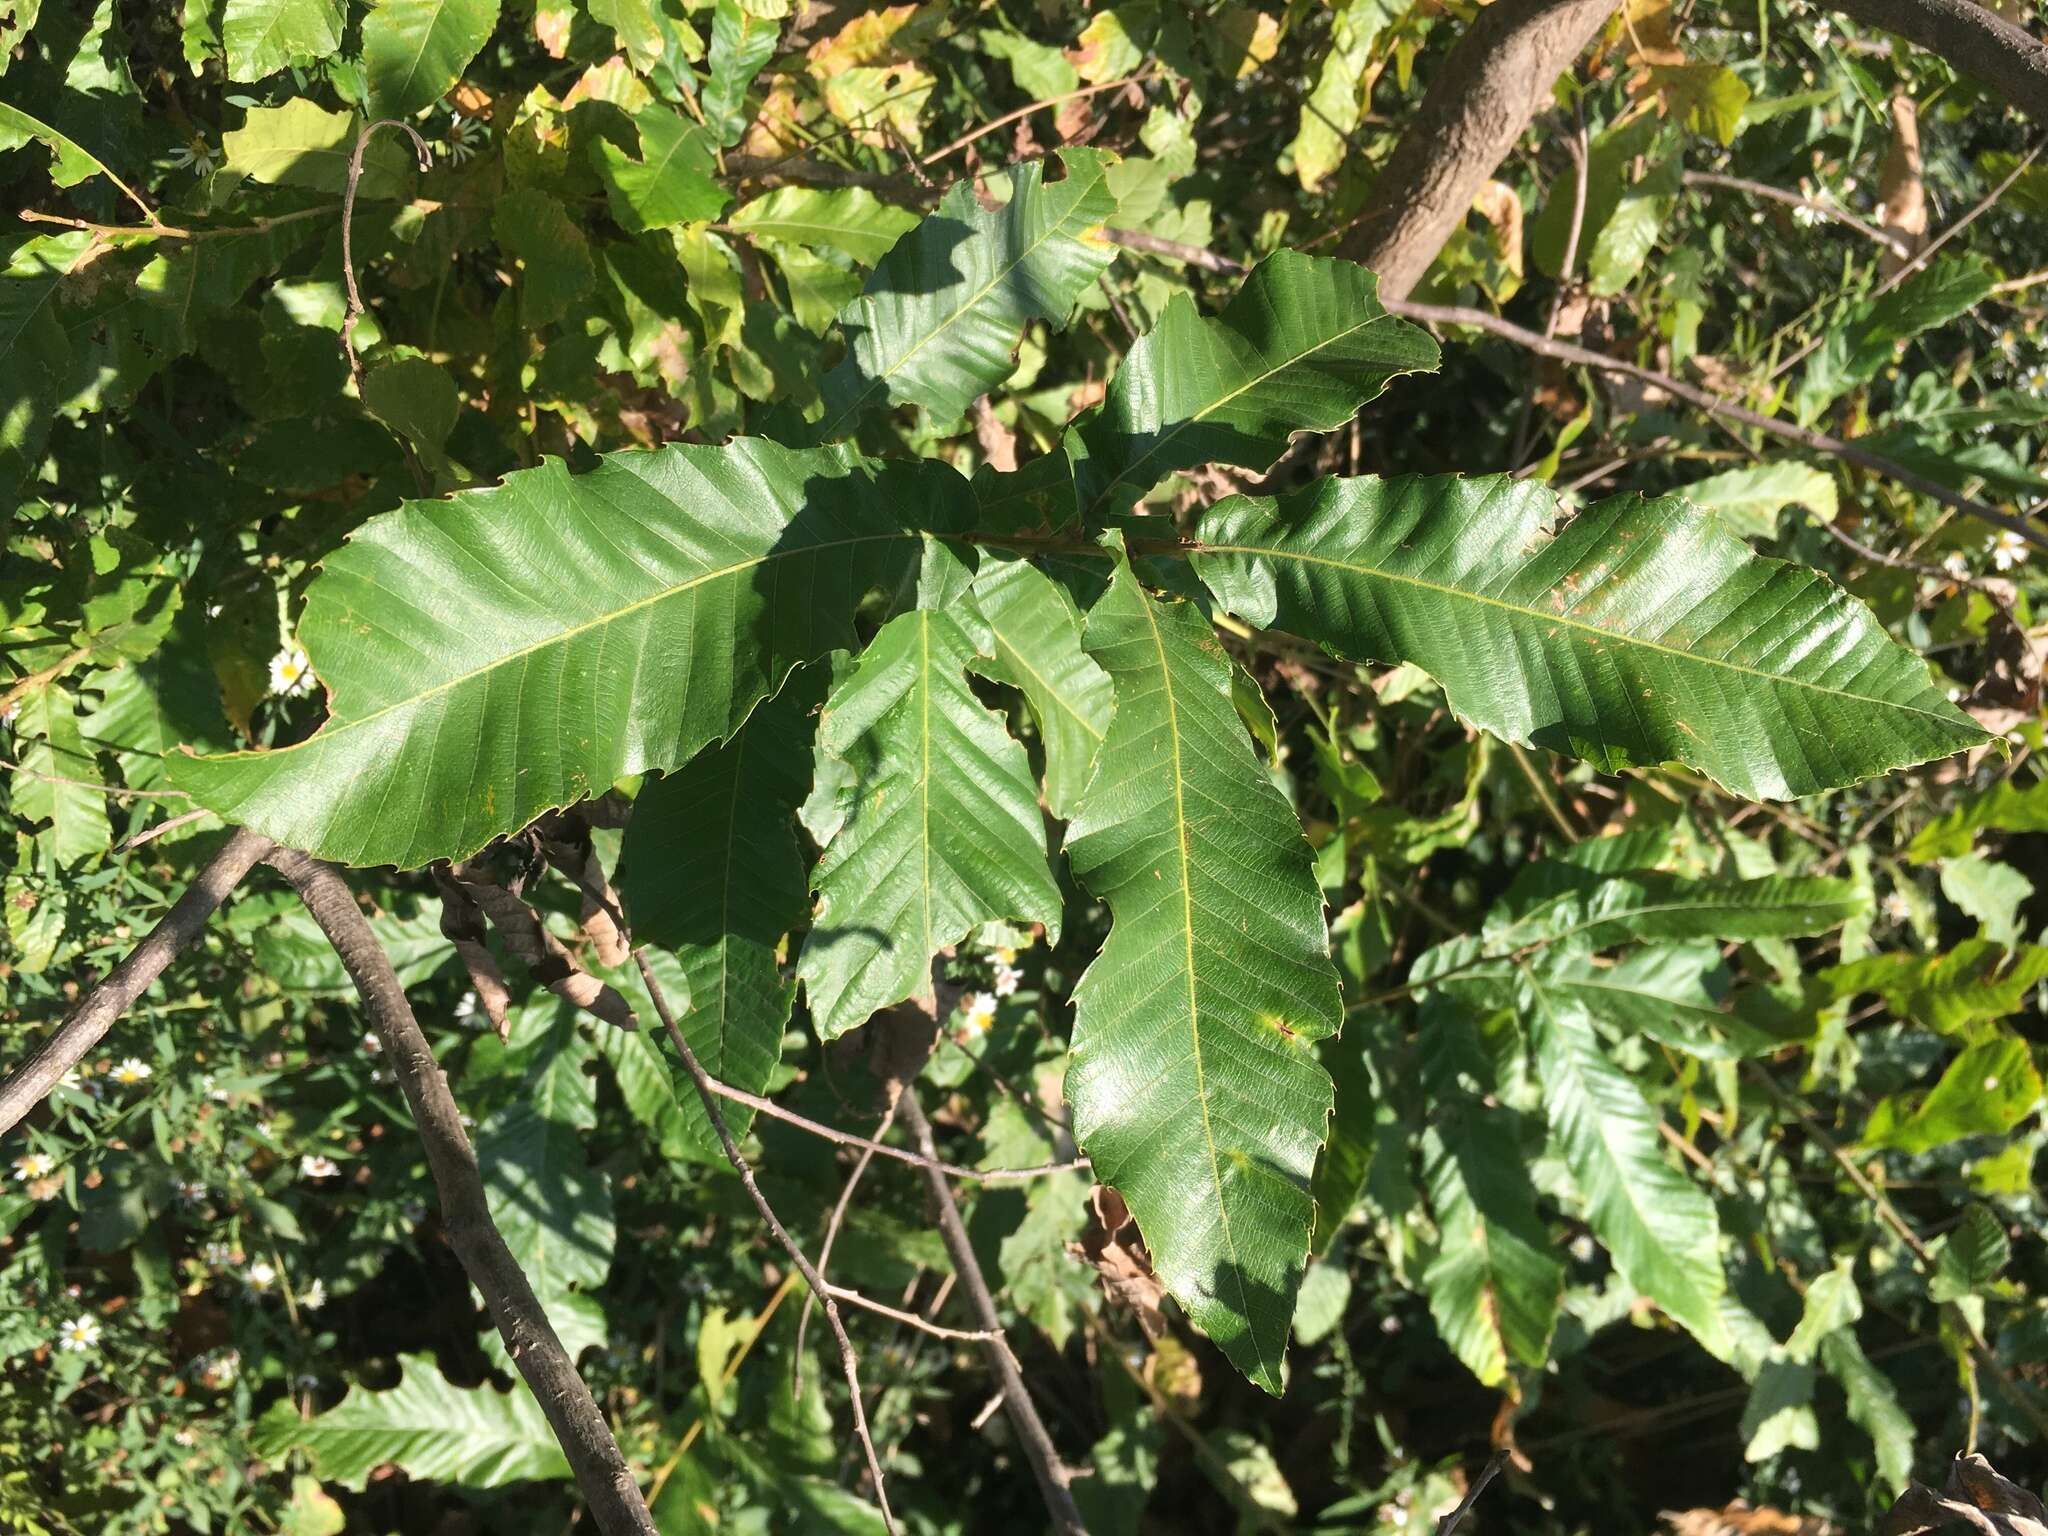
(348, 218)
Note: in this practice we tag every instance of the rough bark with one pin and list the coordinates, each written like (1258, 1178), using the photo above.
(1978, 42)
(1497, 77)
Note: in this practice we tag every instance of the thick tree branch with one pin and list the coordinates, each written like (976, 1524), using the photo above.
(1055, 1479)
(1485, 92)
(607, 1483)
(89, 1022)
(1973, 38)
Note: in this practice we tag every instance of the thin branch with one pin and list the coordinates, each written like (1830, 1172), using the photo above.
(1037, 106)
(607, 1483)
(151, 834)
(848, 1361)
(839, 1209)
(1055, 1478)
(1920, 259)
(113, 792)
(1487, 1473)
(1173, 250)
(1581, 154)
(912, 1319)
(1804, 437)
(775, 1111)
(1922, 1254)
(90, 1021)
(348, 218)
(1832, 211)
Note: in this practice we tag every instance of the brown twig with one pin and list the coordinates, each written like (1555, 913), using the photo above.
(848, 1361)
(1055, 1479)
(1833, 211)
(1037, 106)
(775, 1111)
(89, 1022)
(1805, 437)
(1922, 1254)
(832, 1225)
(151, 834)
(1173, 250)
(607, 1483)
(348, 218)
(1487, 1473)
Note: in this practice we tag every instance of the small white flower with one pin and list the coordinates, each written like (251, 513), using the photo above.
(466, 136)
(260, 1278)
(218, 1255)
(1806, 216)
(190, 1191)
(1822, 31)
(313, 1297)
(33, 1165)
(1956, 565)
(1007, 977)
(1004, 955)
(371, 1044)
(1582, 1248)
(218, 1369)
(2008, 550)
(79, 1335)
(131, 1071)
(291, 673)
(185, 1437)
(2035, 380)
(1896, 907)
(196, 156)
(314, 1166)
(980, 1011)
(465, 1008)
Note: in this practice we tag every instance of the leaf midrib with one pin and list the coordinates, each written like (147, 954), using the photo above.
(336, 727)
(1187, 928)
(1563, 621)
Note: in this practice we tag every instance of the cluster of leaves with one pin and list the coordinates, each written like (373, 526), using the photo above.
(944, 641)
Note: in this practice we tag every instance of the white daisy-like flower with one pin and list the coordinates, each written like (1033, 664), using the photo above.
(33, 1165)
(196, 155)
(218, 1255)
(466, 135)
(2008, 550)
(314, 1166)
(1007, 977)
(980, 1012)
(2035, 380)
(1822, 31)
(291, 673)
(1956, 565)
(1004, 955)
(131, 1071)
(371, 1044)
(79, 1335)
(191, 1191)
(465, 1008)
(219, 1369)
(260, 1278)
(313, 1297)
(1582, 1248)
(1806, 216)
(1896, 907)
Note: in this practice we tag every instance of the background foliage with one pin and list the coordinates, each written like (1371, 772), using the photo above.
(1685, 1145)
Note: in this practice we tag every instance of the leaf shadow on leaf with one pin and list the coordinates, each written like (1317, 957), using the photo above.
(938, 237)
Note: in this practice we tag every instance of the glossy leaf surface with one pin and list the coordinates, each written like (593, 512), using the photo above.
(510, 650)
(1192, 1081)
(1037, 649)
(1640, 632)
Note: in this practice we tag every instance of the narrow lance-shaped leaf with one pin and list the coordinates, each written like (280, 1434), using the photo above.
(472, 1437)
(1638, 633)
(939, 319)
(507, 651)
(1037, 634)
(927, 814)
(1300, 347)
(1192, 1081)
(1495, 1285)
(1660, 1228)
(414, 50)
(710, 870)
